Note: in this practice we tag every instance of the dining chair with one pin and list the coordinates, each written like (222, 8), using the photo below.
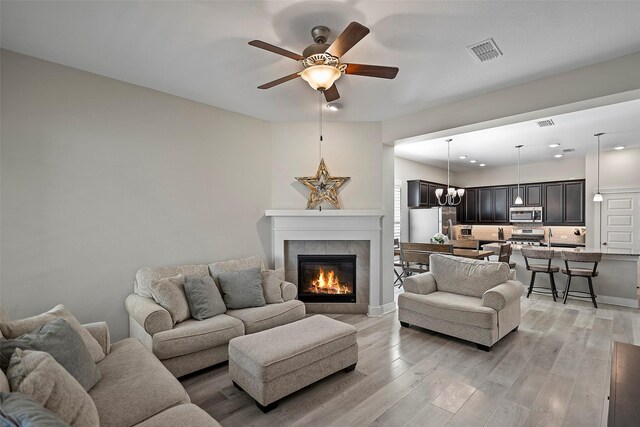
(505, 254)
(415, 256)
(466, 244)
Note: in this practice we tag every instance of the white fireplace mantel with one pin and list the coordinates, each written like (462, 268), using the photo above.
(332, 225)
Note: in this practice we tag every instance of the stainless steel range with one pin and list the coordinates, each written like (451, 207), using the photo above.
(527, 236)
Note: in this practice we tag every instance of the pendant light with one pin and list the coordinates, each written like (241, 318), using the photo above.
(518, 200)
(598, 197)
(450, 198)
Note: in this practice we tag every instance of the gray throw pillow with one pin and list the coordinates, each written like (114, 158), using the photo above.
(242, 289)
(203, 297)
(63, 343)
(20, 410)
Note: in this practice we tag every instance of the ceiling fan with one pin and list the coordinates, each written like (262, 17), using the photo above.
(321, 62)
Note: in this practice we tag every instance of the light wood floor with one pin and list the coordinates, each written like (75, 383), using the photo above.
(554, 371)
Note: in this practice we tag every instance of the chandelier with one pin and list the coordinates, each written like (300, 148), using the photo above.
(452, 193)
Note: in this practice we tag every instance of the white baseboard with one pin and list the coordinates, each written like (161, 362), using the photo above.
(624, 302)
(381, 310)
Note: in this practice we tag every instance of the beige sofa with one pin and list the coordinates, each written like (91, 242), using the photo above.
(196, 344)
(470, 299)
(136, 389)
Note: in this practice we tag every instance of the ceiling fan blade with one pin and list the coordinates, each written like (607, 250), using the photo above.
(279, 81)
(348, 39)
(275, 49)
(331, 94)
(372, 71)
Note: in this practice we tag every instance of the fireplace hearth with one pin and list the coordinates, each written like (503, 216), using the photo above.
(327, 278)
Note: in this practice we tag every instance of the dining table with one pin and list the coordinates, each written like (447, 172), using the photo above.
(472, 253)
(464, 253)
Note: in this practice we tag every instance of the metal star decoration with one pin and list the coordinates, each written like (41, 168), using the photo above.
(323, 186)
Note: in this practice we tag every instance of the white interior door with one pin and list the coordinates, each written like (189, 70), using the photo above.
(620, 222)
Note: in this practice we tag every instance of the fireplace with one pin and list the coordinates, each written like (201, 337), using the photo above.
(327, 278)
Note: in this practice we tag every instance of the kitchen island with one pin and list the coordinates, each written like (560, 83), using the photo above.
(617, 280)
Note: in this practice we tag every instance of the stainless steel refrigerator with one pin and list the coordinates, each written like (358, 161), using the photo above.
(424, 223)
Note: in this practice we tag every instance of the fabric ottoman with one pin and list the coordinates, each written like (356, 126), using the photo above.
(272, 364)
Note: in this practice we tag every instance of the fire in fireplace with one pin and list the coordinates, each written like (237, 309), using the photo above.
(327, 278)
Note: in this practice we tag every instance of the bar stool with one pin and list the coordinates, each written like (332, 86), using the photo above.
(546, 254)
(588, 273)
(504, 255)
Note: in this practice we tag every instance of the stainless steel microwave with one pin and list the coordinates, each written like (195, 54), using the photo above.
(525, 214)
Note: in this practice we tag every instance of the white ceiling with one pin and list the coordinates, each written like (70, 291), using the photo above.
(496, 146)
(199, 51)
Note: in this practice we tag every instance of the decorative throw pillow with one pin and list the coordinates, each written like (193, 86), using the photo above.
(215, 268)
(62, 342)
(203, 297)
(20, 327)
(169, 293)
(20, 410)
(271, 281)
(37, 374)
(242, 289)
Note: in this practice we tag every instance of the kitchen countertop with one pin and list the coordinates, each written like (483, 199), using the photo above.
(495, 247)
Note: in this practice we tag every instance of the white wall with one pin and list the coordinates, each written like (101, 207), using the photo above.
(554, 170)
(406, 170)
(618, 170)
(349, 149)
(100, 178)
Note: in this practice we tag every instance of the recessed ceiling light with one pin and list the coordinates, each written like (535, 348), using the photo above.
(334, 106)
(619, 148)
(463, 157)
(473, 161)
(554, 145)
(557, 156)
(482, 165)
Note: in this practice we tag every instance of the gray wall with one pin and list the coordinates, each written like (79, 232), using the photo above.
(100, 178)
(406, 170)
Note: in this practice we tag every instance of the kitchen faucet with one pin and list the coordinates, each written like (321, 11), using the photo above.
(549, 238)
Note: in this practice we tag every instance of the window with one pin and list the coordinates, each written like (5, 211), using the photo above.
(397, 192)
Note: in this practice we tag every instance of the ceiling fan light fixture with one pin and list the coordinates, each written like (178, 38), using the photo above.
(320, 77)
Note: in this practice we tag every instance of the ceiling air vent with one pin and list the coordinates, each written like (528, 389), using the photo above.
(568, 150)
(484, 51)
(545, 123)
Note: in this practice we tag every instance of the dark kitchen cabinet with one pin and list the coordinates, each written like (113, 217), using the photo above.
(533, 195)
(471, 206)
(433, 200)
(501, 204)
(574, 202)
(513, 192)
(485, 205)
(553, 212)
(417, 194)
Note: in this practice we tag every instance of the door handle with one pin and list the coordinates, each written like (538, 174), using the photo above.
(604, 243)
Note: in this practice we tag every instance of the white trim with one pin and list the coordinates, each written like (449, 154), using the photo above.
(624, 302)
(349, 226)
(380, 311)
(619, 190)
(324, 213)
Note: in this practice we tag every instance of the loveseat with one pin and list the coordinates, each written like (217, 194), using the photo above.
(193, 344)
(475, 300)
(135, 388)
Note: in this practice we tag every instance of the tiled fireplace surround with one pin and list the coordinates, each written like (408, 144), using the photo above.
(337, 232)
(359, 248)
